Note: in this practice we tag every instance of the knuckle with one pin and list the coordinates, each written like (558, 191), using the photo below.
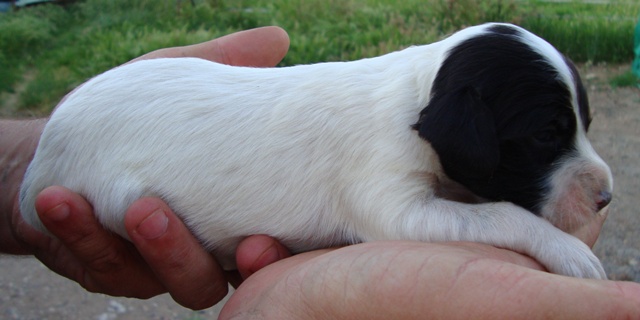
(107, 261)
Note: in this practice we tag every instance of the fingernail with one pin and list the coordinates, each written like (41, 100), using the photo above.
(58, 213)
(154, 226)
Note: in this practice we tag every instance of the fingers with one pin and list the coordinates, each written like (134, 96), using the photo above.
(168, 257)
(257, 252)
(499, 290)
(188, 272)
(85, 252)
(412, 280)
(261, 47)
(590, 231)
(57, 208)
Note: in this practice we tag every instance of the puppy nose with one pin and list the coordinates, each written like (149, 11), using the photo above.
(603, 199)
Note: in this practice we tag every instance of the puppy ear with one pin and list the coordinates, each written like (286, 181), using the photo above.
(460, 128)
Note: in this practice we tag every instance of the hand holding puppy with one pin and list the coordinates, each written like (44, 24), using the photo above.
(331, 154)
(413, 280)
(164, 257)
(293, 286)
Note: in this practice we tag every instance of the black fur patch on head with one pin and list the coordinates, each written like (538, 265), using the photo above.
(499, 117)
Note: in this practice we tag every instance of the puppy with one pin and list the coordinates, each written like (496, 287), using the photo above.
(479, 137)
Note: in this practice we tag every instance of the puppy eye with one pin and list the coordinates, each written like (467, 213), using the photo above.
(545, 136)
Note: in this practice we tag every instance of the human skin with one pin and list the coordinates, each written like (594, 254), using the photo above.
(374, 280)
(163, 255)
(412, 280)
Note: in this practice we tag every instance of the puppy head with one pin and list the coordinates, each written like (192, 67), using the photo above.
(508, 117)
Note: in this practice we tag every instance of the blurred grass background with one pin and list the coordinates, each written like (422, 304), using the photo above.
(47, 50)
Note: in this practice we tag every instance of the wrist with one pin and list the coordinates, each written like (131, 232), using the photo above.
(18, 142)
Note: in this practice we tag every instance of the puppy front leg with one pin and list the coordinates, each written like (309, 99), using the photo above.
(503, 225)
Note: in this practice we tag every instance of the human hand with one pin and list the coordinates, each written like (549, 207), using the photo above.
(413, 280)
(164, 256)
(590, 231)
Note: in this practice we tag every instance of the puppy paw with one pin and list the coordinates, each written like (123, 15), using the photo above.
(571, 257)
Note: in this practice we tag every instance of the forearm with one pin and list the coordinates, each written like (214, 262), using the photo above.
(18, 141)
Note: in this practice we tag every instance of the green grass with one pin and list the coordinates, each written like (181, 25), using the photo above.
(597, 32)
(60, 47)
(627, 79)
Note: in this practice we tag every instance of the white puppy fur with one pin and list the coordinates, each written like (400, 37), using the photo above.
(314, 155)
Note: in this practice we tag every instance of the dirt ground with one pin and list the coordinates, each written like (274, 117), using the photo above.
(615, 134)
(30, 291)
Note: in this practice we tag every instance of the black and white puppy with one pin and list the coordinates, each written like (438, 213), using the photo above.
(479, 137)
